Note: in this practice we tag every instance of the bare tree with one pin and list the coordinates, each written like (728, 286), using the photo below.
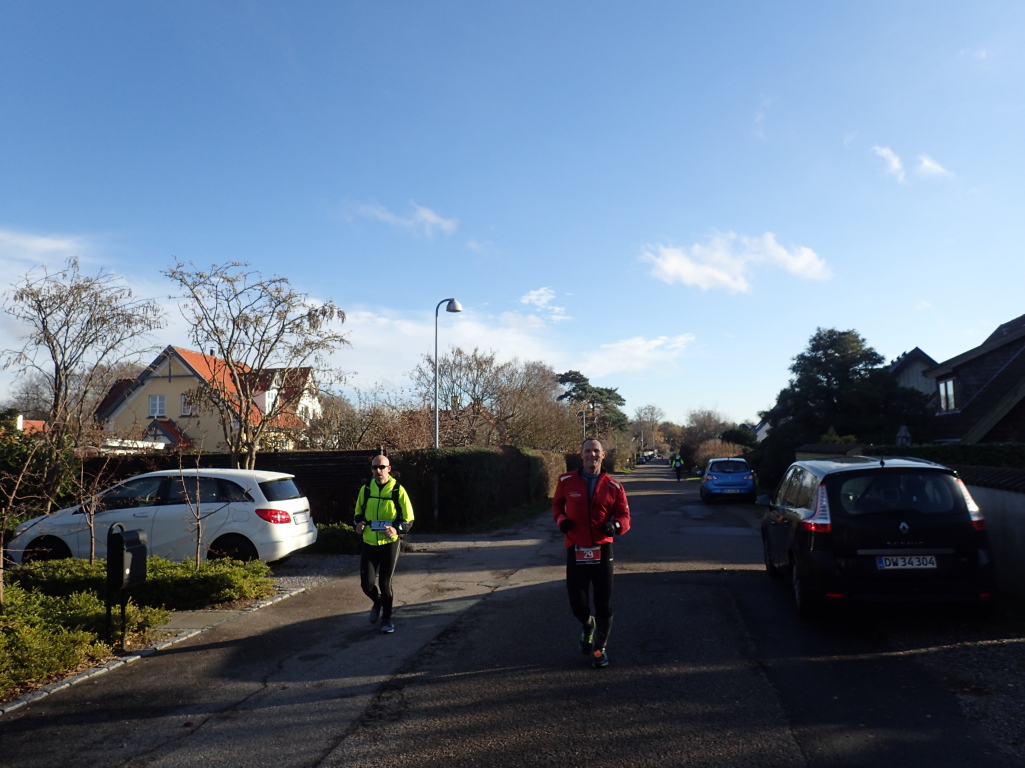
(702, 425)
(265, 335)
(365, 420)
(715, 449)
(77, 328)
(647, 421)
(673, 434)
(487, 402)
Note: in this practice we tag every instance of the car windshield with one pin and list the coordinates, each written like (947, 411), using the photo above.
(728, 467)
(898, 491)
(280, 490)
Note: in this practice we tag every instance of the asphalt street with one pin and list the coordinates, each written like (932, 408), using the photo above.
(709, 667)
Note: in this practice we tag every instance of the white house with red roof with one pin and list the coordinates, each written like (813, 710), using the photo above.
(160, 404)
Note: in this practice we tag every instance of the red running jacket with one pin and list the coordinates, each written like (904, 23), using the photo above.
(608, 503)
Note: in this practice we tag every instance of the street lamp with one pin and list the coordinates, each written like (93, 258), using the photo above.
(453, 306)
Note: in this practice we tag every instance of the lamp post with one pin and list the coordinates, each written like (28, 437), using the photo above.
(453, 306)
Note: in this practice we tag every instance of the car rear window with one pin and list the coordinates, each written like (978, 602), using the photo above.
(899, 490)
(280, 490)
(728, 467)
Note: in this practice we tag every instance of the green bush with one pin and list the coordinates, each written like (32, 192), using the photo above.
(180, 587)
(55, 613)
(42, 635)
(60, 578)
(174, 586)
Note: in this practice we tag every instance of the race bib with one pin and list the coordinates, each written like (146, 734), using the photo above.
(587, 555)
(380, 525)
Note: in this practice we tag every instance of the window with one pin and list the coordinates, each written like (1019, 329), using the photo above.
(898, 490)
(156, 406)
(138, 492)
(186, 405)
(947, 395)
(193, 490)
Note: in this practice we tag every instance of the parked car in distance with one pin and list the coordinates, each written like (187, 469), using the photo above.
(243, 514)
(882, 529)
(727, 478)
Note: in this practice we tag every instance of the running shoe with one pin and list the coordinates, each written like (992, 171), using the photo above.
(375, 613)
(599, 659)
(587, 637)
(388, 626)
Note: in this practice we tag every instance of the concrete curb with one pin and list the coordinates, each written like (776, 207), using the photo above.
(128, 658)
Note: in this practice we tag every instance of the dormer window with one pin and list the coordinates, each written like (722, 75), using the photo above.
(156, 406)
(947, 402)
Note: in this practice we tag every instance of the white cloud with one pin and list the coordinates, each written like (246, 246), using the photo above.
(422, 221)
(635, 355)
(387, 345)
(542, 298)
(929, 167)
(539, 298)
(978, 53)
(727, 261)
(893, 164)
(22, 251)
(483, 249)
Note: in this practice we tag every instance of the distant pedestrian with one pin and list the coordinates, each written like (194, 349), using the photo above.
(383, 511)
(677, 465)
(590, 508)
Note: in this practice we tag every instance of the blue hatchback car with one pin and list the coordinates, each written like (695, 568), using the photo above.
(728, 479)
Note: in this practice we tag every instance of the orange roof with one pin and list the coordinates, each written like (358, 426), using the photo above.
(32, 427)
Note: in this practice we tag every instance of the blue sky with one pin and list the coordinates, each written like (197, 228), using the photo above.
(667, 196)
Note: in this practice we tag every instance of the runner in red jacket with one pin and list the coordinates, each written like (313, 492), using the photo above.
(590, 508)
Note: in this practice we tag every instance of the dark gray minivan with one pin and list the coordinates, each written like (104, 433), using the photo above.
(864, 528)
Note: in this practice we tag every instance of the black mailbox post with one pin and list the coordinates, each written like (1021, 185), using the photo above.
(126, 566)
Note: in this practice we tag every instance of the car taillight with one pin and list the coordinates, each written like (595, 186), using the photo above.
(750, 476)
(978, 519)
(819, 522)
(274, 515)
(711, 477)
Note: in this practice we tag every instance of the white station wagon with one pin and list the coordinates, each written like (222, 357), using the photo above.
(244, 514)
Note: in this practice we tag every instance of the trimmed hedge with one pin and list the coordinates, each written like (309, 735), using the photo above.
(474, 484)
(1009, 455)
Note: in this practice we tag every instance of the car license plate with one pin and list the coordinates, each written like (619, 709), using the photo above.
(893, 562)
(301, 517)
(731, 490)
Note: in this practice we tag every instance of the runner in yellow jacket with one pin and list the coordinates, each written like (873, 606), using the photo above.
(383, 511)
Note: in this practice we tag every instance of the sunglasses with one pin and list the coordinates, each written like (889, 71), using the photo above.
(380, 466)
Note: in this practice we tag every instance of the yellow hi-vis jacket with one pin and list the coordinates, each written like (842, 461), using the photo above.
(388, 502)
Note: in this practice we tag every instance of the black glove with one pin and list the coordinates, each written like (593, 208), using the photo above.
(565, 525)
(611, 528)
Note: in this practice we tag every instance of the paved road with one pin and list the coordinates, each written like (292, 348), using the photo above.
(709, 668)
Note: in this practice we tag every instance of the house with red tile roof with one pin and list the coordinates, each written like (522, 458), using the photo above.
(167, 404)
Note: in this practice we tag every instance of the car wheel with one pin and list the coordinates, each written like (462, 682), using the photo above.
(808, 607)
(770, 568)
(233, 546)
(45, 548)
